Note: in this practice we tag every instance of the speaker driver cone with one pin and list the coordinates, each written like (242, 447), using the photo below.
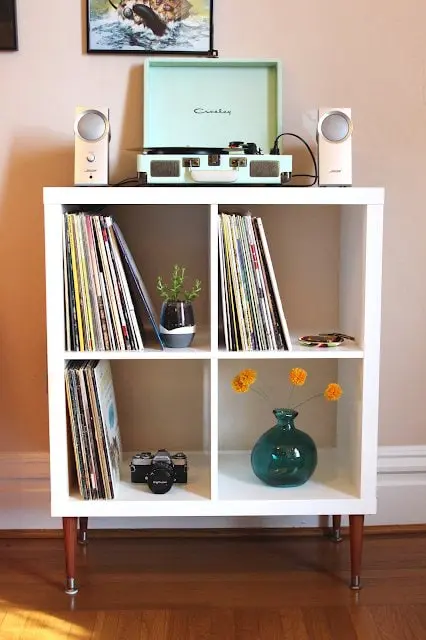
(336, 126)
(91, 126)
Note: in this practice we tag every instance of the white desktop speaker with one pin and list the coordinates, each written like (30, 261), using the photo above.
(91, 155)
(334, 137)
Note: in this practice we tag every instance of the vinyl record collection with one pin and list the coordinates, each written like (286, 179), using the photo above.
(94, 428)
(99, 307)
(253, 317)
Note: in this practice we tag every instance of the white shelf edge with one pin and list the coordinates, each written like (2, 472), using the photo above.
(212, 195)
(304, 353)
(323, 354)
(121, 509)
(147, 354)
(200, 350)
(208, 355)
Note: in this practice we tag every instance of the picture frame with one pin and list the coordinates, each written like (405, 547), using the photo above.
(8, 26)
(150, 27)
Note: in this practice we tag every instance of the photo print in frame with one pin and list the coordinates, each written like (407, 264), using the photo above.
(8, 28)
(150, 27)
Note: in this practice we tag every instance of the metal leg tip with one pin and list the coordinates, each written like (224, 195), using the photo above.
(355, 583)
(82, 537)
(337, 536)
(334, 535)
(71, 588)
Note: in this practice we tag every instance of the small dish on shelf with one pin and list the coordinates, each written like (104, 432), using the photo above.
(324, 340)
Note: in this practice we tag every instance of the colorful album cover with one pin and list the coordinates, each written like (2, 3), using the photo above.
(150, 26)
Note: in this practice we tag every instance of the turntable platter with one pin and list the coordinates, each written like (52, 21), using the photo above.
(184, 151)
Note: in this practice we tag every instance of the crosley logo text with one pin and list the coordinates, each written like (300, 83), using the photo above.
(224, 112)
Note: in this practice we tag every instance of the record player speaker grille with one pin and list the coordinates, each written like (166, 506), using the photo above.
(264, 169)
(165, 168)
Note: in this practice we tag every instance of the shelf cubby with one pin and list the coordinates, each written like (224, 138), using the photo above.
(158, 237)
(318, 258)
(244, 417)
(160, 404)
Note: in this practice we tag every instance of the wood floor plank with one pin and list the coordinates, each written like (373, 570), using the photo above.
(3, 611)
(200, 624)
(396, 623)
(419, 612)
(270, 625)
(222, 624)
(129, 625)
(12, 624)
(177, 624)
(106, 626)
(202, 589)
(293, 625)
(40, 624)
(364, 624)
(246, 623)
(82, 622)
(329, 623)
(154, 624)
(210, 624)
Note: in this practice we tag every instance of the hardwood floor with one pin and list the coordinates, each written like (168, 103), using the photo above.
(214, 589)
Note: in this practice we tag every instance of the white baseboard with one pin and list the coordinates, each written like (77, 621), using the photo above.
(25, 496)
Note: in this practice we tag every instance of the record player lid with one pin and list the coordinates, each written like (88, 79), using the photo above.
(208, 102)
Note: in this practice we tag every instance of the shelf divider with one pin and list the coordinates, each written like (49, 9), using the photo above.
(214, 279)
(214, 428)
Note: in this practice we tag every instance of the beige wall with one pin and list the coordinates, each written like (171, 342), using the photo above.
(370, 56)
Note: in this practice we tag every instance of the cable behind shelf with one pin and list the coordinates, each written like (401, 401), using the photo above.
(275, 151)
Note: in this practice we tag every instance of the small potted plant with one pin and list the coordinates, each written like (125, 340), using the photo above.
(177, 324)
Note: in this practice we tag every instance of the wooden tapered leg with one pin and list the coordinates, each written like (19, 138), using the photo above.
(336, 534)
(82, 531)
(70, 540)
(356, 524)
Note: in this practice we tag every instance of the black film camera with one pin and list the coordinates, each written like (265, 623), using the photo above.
(160, 470)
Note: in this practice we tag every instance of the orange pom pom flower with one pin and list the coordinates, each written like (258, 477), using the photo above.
(249, 375)
(298, 376)
(239, 385)
(243, 380)
(333, 391)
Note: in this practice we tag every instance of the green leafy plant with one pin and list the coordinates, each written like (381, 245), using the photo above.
(175, 290)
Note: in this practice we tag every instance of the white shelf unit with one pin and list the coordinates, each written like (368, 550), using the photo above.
(326, 246)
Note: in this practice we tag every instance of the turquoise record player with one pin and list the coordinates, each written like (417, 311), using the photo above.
(212, 121)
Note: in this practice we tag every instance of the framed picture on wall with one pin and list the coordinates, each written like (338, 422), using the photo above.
(8, 29)
(150, 27)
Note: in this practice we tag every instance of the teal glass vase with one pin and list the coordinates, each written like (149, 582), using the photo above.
(284, 456)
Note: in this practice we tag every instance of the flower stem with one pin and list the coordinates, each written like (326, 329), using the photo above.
(316, 395)
(290, 395)
(259, 393)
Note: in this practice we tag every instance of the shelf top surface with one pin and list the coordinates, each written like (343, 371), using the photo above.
(240, 493)
(213, 195)
(338, 353)
(238, 482)
(201, 350)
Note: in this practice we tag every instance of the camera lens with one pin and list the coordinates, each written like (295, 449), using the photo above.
(161, 478)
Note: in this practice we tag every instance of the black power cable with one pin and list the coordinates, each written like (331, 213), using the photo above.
(276, 152)
(126, 181)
